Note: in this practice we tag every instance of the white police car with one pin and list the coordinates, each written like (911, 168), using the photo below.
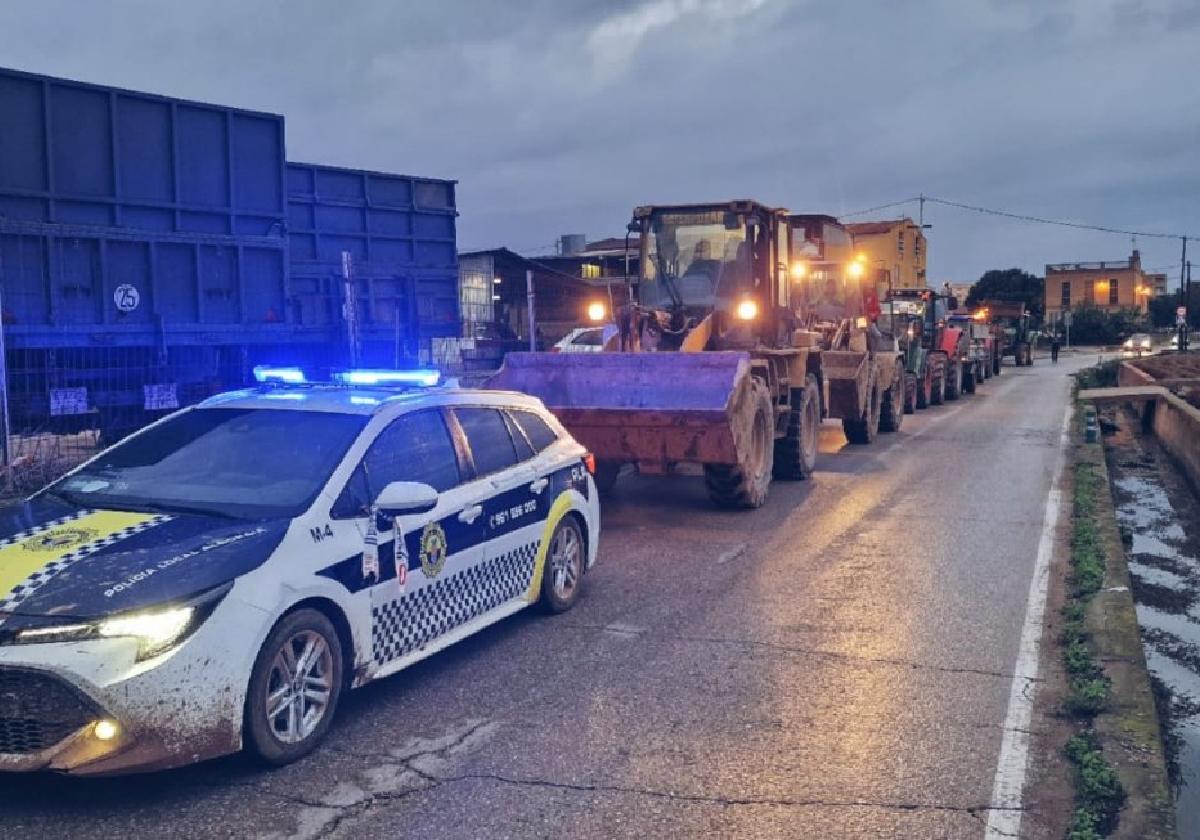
(218, 579)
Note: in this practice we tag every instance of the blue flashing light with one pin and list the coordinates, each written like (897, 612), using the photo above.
(426, 378)
(286, 375)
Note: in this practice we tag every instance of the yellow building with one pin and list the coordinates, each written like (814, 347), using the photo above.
(895, 249)
(1108, 285)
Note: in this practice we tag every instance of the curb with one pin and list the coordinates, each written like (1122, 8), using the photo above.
(1129, 728)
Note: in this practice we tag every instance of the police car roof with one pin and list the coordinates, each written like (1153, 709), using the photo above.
(338, 399)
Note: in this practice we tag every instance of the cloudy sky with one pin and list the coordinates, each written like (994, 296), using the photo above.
(558, 116)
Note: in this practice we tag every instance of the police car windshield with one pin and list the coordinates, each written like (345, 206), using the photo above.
(245, 463)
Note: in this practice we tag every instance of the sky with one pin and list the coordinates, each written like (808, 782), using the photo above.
(559, 116)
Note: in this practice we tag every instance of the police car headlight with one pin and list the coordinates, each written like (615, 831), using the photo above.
(156, 630)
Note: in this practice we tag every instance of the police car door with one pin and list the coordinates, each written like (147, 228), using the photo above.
(416, 599)
(513, 513)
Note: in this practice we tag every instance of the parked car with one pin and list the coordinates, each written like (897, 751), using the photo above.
(218, 579)
(582, 340)
(1138, 344)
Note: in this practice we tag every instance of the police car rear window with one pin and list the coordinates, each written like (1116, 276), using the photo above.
(536, 429)
(492, 447)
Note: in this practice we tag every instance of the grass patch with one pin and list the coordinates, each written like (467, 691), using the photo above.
(1103, 375)
(1098, 792)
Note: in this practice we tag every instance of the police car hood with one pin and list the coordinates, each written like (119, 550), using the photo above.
(58, 560)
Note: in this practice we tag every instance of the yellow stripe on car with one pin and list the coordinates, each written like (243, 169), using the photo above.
(26, 554)
(560, 508)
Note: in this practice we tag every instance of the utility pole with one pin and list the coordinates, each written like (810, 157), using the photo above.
(921, 212)
(1187, 298)
(532, 313)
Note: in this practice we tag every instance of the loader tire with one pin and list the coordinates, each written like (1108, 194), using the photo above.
(745, 484)
(910, 393)
(937, 394)
(891, 409)
(606, 476)
(863, 431)
(796, 451)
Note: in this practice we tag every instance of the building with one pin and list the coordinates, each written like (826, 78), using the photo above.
(960, 291)
(494, 303)
(1157, 284)
(897, 247)
(1109, 285)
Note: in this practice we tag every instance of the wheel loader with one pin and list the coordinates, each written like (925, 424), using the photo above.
(710, 362)
(1012, 328)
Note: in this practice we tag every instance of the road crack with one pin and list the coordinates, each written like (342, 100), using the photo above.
(826, 654)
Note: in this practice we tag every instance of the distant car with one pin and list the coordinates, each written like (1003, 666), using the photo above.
(581, 340)
(1138, 343)
(220, 578)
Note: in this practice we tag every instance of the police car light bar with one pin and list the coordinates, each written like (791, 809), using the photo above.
(427, 378)
(287, 375)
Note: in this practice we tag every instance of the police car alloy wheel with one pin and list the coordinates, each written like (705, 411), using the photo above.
(295, 688)
(564, 567)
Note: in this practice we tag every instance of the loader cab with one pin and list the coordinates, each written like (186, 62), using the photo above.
(828, 282)
(711, 258)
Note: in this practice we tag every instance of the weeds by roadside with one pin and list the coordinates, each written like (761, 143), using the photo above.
(1098, 792)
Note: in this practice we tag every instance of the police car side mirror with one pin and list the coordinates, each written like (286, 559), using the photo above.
(404, 498)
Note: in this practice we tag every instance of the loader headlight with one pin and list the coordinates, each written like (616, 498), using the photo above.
(597, 311)
(746, 310)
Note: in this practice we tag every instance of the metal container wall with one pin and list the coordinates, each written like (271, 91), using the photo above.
(80, 154)
(400, 234)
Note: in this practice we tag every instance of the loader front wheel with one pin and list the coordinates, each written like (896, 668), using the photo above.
(606, 476)
(744, 485)
(796, 451)
(891, 411)
(863, 430)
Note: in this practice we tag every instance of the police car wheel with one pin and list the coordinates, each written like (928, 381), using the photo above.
(566, 557)
(294, 688)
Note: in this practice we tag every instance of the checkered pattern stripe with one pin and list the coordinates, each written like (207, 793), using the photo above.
(21, 536)
(413, 621)
(43, 575)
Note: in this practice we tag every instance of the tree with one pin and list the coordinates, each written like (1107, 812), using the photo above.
(1010, 284)
(1092, 325)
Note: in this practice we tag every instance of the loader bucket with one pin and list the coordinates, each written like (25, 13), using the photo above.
(846, 377)
(653, 409)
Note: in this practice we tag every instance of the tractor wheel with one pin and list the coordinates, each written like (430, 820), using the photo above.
(863, 430)
(606, 476)
(910, 393)
(937, 393)
(796, 451)
(891, 410)
(996, 365)
(925, 388)
(954, 382)
(744, 485)
(968, 379)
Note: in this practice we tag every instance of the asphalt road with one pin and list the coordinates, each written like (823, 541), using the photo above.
(835, 664)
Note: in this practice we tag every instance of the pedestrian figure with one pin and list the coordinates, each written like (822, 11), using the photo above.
(1054, 344)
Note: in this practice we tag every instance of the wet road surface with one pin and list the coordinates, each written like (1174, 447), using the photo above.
(835, 664)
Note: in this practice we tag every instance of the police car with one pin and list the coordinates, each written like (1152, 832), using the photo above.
(220, 578)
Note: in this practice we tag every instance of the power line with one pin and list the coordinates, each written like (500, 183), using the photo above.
(881, 207)
(1039, 220)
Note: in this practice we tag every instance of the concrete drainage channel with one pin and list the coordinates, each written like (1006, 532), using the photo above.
(1159, 518)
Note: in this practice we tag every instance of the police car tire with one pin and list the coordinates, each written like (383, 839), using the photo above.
(745, 485)
(550, 601)
(259, 738)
